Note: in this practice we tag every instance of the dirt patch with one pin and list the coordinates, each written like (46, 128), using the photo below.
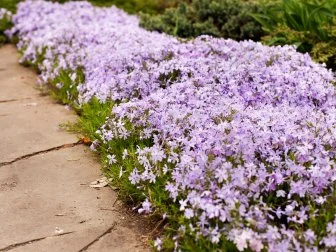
(9, 183)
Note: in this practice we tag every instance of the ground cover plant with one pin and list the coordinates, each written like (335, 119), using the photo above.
(130, 6)
(232, 143)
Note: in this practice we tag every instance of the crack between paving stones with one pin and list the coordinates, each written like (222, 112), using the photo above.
(11, 100)
(99, 237)
(64, 146)
(15, 100)
(21, 244)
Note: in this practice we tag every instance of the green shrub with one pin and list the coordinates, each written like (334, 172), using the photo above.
(9, 4)
(308, 24)
(325, 52)
(3, 38)
(5, 24)
(220, 18)
(135, 6)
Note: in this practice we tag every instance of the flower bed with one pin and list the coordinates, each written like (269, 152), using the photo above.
(233, 142)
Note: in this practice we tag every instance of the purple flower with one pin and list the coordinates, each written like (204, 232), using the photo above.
(146, 207)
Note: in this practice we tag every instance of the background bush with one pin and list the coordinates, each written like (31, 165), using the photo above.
(308, 24)
(4, 22)
(135, 6)
(220, 18)
(4, 25)
(9, 4)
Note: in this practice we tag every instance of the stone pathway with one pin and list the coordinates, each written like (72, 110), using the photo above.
(46, 203)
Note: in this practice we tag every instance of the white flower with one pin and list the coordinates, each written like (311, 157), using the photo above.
(280, 193)
(111, 159)
(158, 244)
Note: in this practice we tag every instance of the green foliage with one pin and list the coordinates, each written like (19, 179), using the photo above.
(325, 52)
(308, 24)
(4, 25)
(220, 18)
(64, 89)
(132, 6)
(9, 4)
(92, 116)
(135, 6)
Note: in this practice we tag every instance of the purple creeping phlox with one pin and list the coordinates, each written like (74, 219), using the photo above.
(243, 135)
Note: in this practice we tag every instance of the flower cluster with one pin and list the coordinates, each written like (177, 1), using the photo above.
(5, 14)
(107, 43)
(245, 142)
(241, 136)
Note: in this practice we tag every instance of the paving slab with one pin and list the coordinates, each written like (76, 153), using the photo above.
(32, 126)
(112, 240)
(16, 82)
(46, 201)
(119, 240)
(49, 194)
(29, 122)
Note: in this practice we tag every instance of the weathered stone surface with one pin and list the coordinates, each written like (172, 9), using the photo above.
(16, 82)
(31, 126)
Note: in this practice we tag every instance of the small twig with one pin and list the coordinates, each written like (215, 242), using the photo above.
(156, 227)
(115, 201)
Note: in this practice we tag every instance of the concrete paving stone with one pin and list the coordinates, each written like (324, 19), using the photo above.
(16, 82)
(115, 242)
(130, 242)
(31, 126)
(51, 191)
